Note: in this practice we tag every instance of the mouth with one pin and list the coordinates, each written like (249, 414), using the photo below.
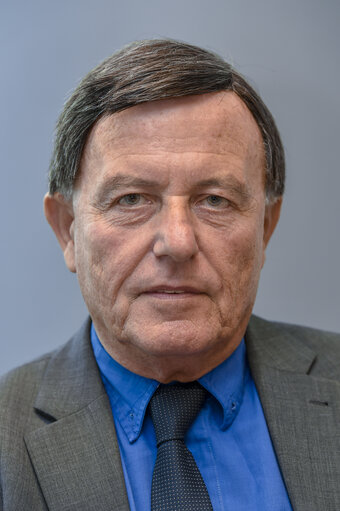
(170, 292)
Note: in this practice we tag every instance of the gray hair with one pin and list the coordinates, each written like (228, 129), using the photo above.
(146, 71)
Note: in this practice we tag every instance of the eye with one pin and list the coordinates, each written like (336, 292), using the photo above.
(131, 199)
(216, 201)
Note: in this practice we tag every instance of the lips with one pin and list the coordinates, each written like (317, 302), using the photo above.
(172, 290)
(174, 295)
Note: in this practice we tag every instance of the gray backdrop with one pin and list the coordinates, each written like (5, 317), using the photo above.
(290, 51)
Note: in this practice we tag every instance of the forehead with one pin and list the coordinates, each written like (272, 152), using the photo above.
(215, 126)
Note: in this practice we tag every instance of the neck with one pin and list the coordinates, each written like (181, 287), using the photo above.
(167, 368)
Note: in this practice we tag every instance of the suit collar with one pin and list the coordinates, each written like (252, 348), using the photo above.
(75, 451)
(71, 380)
(269, 345)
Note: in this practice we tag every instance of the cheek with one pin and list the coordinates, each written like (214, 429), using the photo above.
(105, 258)
(240, 262)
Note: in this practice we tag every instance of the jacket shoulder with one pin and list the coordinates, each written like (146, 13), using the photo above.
(52, 379)
(20, 385)
(309, 334)
(324, 344)
(318, 340)
(18, 389)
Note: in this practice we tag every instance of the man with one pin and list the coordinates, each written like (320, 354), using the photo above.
(165, 187)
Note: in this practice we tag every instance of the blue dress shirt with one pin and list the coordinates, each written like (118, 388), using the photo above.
(229, 439)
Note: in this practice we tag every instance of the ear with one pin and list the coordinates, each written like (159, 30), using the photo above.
(271, 218)
(60, 216)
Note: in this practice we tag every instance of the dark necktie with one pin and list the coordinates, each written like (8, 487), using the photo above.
(177, 484)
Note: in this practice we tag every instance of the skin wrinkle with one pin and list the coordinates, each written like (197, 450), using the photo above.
(103, 199)
(140, 217)
(175, 237)
(135, 153)
(119, 128)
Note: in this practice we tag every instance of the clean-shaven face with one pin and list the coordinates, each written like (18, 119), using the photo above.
(169, 232)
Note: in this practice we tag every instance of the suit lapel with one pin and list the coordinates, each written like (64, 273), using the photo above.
(301, 415)
(74, 450)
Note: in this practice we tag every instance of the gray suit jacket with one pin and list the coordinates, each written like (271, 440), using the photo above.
(58, 447)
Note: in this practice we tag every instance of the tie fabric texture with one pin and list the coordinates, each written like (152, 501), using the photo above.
(177, 484)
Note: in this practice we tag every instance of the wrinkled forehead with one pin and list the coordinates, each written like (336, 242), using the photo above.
(220, 120)
(177, 140)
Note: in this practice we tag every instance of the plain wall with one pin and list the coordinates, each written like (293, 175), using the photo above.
(288, 49)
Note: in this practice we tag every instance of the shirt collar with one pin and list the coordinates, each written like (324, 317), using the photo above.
(226, 383)
(130, 393)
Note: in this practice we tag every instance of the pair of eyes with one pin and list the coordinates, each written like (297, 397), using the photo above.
(137, 199)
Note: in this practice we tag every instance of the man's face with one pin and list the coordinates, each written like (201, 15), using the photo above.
(169, 232)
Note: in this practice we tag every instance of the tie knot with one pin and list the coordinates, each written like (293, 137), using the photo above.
(173, 409)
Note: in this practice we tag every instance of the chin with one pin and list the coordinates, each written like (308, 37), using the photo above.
(175, 340)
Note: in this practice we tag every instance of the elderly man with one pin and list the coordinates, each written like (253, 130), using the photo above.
(165, 188)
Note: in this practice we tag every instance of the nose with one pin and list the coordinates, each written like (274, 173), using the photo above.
(175, 235)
